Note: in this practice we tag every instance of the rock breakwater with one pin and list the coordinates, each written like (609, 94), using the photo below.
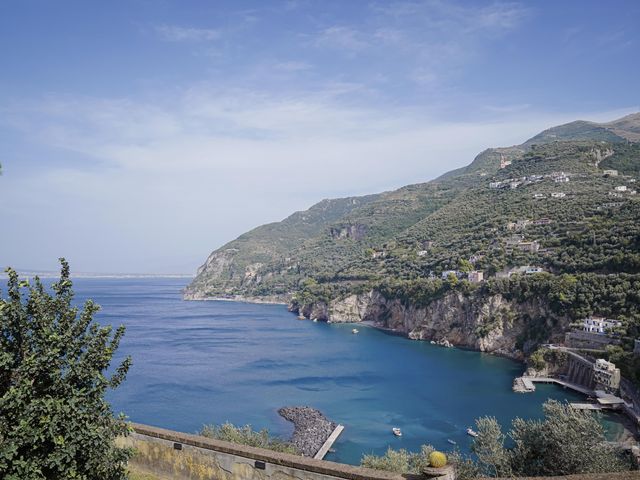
(311, 428)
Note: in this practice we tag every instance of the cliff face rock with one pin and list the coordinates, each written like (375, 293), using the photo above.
(482, 322)
(354, 231)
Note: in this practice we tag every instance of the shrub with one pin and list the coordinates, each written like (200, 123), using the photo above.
(247, 436)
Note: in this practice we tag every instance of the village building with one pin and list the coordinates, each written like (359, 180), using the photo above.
(446, 273)
(423, 253)
(518, 224)
(475, 276)
(558, 194)
(606, 375)
(495, 184)
(621, 188)
(542, 221)
(532, 247)
(522, 270)
(599, 325)
(539, 195)
(610, 173)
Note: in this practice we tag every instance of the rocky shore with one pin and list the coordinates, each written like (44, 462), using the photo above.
(311, 428)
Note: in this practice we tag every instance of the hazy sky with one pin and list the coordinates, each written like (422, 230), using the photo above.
(139, 135)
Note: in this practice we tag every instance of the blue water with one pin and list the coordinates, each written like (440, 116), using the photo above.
(211, 362)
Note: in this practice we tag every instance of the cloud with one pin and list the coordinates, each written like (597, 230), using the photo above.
(174, 177)
(174, 33)
(343, 38)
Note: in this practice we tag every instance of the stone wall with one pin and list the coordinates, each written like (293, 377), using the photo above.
(180, 456)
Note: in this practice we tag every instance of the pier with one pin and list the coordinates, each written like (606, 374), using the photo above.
(329, 442)
(527, 384)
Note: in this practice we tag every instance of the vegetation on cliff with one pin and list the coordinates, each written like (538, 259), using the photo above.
(54, 419)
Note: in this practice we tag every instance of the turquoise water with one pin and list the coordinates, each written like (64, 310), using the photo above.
(211, 362)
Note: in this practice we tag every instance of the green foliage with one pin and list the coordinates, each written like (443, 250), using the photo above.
(54, 419)
(403, 461)
(247, 436)
(568, 441)
(399, 461)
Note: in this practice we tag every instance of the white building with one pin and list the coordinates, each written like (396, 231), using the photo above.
(558, 194)
(621, 188)
(610, 173)
(599, 324)
(606, 375)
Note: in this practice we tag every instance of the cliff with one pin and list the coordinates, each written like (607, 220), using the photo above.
(488, 323)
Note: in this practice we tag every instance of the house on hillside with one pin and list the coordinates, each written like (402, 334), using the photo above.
(610, 173)
(446, 273)
(599, 325)
(558, 194)
(531, 247)
(495, 184)
(539, 195)
(606, 375)
(621, 188)
(542, 221)
(476, 276)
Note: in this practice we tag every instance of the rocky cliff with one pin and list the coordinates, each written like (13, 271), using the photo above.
(488, 323)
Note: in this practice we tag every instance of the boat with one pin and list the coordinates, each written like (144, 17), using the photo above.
(301, 317)
(452, 442)
(472, 432)
(315, 320)
(355, 330)
(396, 431)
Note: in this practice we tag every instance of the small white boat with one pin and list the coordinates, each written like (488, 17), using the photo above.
(472, 432)
(396, 431)
(452, 442)
(315, 319)
(355, 330)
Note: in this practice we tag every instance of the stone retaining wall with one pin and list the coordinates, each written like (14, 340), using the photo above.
(180, 456)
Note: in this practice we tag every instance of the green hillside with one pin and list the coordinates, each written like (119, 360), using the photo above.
(427, 228)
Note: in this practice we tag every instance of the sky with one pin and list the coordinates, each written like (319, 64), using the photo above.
(137, 136)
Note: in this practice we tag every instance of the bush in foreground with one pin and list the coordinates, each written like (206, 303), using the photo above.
(54, 419)
(247, 436)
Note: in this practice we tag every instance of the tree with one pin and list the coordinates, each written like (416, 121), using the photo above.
(54, 420)
(567, 441)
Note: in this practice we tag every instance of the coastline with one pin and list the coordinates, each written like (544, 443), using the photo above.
(190, 297)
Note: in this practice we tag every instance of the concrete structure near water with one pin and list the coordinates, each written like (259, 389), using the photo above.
(606, 375)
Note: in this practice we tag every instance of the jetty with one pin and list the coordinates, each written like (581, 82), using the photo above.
(313, 434)
(324, 449)
(526, 384)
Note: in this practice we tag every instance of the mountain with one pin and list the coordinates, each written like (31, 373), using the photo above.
(346, 242)
(501, 256)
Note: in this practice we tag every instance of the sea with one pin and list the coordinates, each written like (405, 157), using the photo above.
(209, 362)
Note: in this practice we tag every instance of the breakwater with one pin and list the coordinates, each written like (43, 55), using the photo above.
(311, 428)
